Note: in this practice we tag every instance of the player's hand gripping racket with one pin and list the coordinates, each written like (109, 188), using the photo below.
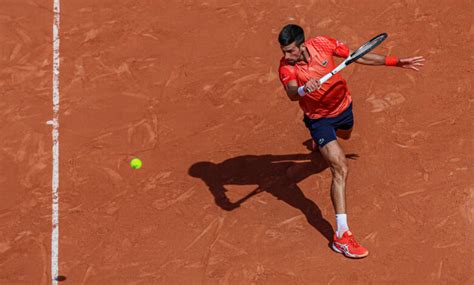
(360, 52)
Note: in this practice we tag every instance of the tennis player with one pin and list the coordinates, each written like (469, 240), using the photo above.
(328, 109)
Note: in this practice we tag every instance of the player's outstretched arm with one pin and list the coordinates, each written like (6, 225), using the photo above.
(376, 59)
(371, 59)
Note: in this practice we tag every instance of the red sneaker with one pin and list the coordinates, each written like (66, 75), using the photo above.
(348, 246)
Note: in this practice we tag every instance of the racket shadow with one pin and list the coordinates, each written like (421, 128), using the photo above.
(277, 175)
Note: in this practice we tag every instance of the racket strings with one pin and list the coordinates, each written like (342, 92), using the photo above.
(367, 47)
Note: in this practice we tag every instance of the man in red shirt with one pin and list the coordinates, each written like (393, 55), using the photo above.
(328, 109)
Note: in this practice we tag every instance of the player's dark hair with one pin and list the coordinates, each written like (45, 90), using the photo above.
(291, 33)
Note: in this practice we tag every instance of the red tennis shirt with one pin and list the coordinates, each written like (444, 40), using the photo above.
(333, 97)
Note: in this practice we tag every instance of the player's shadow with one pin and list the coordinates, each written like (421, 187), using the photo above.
(274, 174)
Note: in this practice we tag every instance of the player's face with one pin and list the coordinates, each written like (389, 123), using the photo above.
(292, 53)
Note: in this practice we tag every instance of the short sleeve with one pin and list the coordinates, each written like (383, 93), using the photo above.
(287, 73)
(339, 48)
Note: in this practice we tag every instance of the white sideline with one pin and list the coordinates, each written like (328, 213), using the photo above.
(55, 124)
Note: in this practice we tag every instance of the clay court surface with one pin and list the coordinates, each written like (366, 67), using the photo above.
(192, 88)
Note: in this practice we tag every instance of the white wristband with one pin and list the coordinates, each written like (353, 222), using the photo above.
(301, 91)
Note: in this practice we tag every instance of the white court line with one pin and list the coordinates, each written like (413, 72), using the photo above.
(55, 124)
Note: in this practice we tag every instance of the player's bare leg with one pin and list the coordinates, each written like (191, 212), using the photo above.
(334, 156)
(343, 242)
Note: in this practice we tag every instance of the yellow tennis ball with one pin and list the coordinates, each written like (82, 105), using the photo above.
(136, 163)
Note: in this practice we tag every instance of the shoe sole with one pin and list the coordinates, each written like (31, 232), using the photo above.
(348, 254)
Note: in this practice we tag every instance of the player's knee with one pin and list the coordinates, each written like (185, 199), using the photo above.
(340, 169)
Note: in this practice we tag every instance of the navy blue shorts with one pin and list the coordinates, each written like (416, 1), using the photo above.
(323, 130)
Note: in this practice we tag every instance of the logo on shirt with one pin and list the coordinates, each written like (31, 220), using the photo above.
(324, 63)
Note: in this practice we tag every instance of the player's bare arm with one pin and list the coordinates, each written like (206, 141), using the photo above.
(292, 90)
(376, 59)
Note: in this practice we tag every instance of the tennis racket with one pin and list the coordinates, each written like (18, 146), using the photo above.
(360, 52)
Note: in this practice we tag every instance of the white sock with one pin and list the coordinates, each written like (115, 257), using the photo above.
(341, 222)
